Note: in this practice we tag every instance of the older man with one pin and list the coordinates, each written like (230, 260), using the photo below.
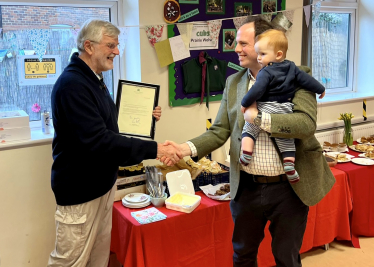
(260, 191)
(87, 150)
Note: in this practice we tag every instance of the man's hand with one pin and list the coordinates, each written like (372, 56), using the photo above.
(157, 113)
(170, 152)
(251, 113)
(183, 149)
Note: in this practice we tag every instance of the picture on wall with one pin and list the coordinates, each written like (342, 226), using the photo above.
(243, 9)
(269, 6)
(188, 1)
(229, 40)
(215, 6)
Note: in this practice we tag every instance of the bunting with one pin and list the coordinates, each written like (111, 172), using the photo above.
(122, 38)
(185, 30)
(307, 14)
(214, 29)
(239, 21)
(154, 33)
(317, 9)
(39, 39)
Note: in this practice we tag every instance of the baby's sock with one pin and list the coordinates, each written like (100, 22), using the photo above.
(289, 169)
(245, 158)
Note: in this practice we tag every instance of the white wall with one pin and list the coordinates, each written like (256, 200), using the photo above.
(27, 206)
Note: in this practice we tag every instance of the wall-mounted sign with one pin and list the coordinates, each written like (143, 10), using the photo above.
(201, 39)
(33, 72)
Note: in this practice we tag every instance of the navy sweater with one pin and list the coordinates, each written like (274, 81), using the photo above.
(278, 82)
(87, 146)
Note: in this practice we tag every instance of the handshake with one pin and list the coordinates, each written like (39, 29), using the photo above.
(169, 153)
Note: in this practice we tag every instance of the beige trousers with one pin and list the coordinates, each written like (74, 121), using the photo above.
(83, 233)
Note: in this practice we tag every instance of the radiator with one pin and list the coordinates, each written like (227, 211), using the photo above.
(336, 135)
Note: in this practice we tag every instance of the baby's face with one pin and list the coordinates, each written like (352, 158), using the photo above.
(265, 53)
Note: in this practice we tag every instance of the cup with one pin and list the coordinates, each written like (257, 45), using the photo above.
(159, 201)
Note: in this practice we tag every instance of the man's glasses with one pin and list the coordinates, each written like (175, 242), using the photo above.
(111, 46)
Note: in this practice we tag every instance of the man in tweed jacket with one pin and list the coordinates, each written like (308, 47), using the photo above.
(260, 192)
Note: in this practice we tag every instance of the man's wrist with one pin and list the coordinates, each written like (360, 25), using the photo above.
(192, 151)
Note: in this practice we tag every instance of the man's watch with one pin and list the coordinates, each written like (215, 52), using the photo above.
(257, 121)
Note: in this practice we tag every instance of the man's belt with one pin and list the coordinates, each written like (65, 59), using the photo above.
(260, 179)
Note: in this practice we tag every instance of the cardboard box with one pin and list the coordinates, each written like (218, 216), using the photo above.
(15, 134)
(123, 192)
(127, 185)
(13, 119)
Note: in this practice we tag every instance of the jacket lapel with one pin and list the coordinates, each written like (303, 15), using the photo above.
(242, 89)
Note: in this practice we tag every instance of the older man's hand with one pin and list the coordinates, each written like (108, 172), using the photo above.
(169, 152)
(183, 149)
(157, 113)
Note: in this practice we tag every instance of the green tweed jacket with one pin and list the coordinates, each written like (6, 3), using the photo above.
(316, 178)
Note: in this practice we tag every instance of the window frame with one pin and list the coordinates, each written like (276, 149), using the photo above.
(336, 6)
(115, 18)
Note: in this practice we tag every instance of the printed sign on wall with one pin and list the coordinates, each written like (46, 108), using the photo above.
(33, 72)
(201, 39)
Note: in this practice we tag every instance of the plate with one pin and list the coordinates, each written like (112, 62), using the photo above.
(209, 190)
(334, 154)
(363, 161)
(363, 156)
(355, 149)
(136, 198)
(135, 205)
(359, 141)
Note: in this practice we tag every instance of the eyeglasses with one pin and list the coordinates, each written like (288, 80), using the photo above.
(111, 46)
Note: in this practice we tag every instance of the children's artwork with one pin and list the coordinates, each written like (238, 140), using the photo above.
(202, 40)
(215, 6)
(269, 6)
(229, 40)
(243, 9)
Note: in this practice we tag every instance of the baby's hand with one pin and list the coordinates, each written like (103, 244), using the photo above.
(242, 109)
(322, 95)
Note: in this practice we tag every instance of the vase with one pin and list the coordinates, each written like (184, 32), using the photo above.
(348, 136)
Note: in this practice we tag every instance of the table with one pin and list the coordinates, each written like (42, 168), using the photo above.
(361, 182)
(203, 237)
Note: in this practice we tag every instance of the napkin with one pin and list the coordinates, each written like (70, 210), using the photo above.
(148, 215)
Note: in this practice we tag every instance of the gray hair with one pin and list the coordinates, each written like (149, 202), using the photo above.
(94, 30)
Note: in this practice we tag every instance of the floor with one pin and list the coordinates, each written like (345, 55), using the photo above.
(339, 254)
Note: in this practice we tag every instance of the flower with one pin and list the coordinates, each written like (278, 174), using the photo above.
(348, 135)
(35, 108)
(346, 116)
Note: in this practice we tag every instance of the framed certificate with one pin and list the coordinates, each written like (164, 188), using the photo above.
(135, 104)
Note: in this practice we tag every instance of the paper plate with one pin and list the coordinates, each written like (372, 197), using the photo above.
(136, 197)
(135, 205)
(367, 143)
(363, 161)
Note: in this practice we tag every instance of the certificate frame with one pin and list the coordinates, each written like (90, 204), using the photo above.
(136, 119)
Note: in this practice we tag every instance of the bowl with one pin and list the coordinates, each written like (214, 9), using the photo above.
(159, 201)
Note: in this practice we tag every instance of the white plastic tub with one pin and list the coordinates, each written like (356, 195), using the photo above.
(182, 194)
(183, 202)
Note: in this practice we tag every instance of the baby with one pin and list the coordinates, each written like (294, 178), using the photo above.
(274, 89)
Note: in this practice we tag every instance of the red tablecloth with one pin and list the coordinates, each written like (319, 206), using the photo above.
(361, 182)
(203, 237)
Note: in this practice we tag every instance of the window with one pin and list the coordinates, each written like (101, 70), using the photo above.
(333, 45)
(61, 18)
